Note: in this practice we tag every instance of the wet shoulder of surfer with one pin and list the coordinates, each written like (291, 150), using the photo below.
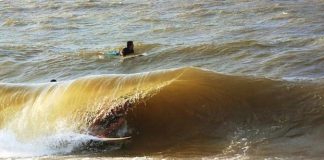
(128, 50)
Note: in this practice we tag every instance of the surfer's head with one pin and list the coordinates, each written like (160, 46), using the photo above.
(130, 45)
(53, 80)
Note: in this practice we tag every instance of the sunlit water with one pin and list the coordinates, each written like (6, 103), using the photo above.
(65, 40)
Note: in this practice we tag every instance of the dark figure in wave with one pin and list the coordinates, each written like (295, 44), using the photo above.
(128, 50)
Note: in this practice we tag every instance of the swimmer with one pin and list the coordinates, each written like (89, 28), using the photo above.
(128, 50)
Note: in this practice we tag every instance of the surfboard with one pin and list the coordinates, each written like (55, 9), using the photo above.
(106, 139)
(114, 53)
(133, 56)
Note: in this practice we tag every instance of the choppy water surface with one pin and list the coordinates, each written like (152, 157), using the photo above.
(221, 79)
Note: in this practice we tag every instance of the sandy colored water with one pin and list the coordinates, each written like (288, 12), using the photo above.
(220, 79)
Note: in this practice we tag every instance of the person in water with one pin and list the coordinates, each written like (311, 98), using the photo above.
(128, 50)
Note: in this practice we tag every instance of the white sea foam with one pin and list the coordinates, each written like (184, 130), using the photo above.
(295, 79)
(61, 143)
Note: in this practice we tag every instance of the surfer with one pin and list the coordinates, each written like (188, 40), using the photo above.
(107, 123)
(53, 80)
(128, 50)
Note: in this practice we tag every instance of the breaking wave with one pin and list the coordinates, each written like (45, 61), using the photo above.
(164, 111)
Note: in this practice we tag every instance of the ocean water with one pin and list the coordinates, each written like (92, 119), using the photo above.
(223, 79)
